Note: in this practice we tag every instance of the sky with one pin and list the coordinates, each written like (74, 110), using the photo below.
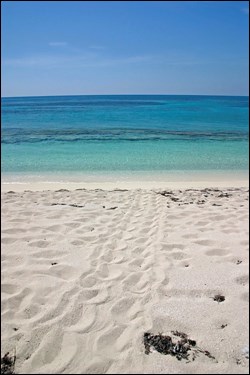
(124, 47)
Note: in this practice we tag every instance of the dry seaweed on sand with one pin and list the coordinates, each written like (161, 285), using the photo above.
(180, 348)
(166, 345)
(174, 199)
(8, 363)
(219, 298)
(224, 195)
(164, 193)
(184, 336)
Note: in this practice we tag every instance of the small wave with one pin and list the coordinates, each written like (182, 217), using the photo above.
(128, 137)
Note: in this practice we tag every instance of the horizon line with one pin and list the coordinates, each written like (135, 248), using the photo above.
(63, 95)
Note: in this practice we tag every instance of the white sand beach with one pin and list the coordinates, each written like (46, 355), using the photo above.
(85, 273)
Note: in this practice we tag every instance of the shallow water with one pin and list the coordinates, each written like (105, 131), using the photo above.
(112, 134)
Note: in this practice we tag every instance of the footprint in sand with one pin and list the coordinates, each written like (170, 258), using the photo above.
(41, 243)
(9, 288)
(94, 296)
(98, 366)
(107, 341)
(8, 240)
(136, 262)
(204, 242)
(179, 255)
(88, 281)
(217, 252)
(13, 230)
(137, 282)
(122, 307)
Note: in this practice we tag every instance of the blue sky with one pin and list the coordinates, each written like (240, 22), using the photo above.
(124, 47)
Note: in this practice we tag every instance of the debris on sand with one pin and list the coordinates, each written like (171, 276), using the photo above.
(58, 204)
(8, 363)
(75, 205)
(165, 345)
(164, 193)
(184, 337)
(224, 195)
(209, 355)
(64, 204)
(219, 298)
(178, 348)
(174, 199)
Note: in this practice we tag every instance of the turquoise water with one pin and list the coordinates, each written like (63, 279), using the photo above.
(98, 134)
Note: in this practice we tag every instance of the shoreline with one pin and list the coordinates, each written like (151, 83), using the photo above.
(129, 181)
(144, 185)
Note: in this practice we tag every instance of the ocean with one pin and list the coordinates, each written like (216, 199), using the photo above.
(59, 137)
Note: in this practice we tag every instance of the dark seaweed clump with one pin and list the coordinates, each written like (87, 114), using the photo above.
(166, 345)
(180, 348)
(219, 298)
(7, 364)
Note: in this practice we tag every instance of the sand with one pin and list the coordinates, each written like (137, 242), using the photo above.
(86, 272)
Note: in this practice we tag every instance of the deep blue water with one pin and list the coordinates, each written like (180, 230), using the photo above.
(124, 133)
